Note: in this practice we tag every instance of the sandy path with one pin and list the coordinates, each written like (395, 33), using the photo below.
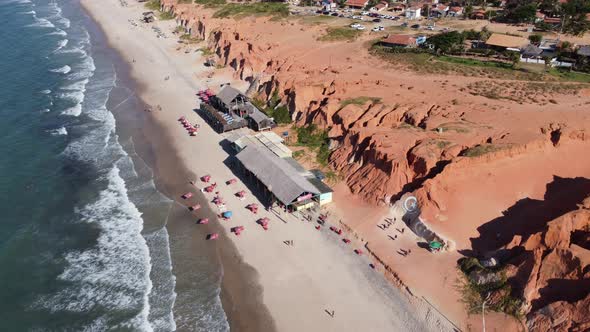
(319, 272)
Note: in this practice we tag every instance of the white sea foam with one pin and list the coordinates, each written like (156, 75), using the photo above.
(64, 22)
(45, 110)
(42, 23)
(45, 92)
(58, 32)
(62, 70)
(76, 86)
(73, 111)
(114, 273)
(59, 131)
(76, 96)
(61, 44)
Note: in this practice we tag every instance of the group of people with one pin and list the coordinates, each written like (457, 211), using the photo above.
(404, 252)
(388, 222)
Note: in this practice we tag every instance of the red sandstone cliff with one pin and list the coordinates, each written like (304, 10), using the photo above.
(387, 143)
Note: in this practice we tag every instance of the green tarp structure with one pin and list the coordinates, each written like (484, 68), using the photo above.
(436, 245)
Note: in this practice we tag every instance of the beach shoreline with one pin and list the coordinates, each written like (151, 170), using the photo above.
(159, 153)
(265, 285)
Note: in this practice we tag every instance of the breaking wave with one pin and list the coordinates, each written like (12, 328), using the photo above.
(62, 70)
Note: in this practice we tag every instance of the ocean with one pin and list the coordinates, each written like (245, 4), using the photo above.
(83, 239)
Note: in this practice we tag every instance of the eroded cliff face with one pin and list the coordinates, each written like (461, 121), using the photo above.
(553, 273)
(391, 131)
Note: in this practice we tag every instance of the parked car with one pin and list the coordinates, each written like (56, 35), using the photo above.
(334, 14)
(377, 20)
(405, 24)
(355, 25)
(430, 27)
(415, 26)
(360, 27)
(395, 18)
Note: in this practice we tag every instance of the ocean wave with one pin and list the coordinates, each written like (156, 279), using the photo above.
(73, 111)
(45, 92)
(76, 86)
(59, 131)
(58, 32)
(62, 70)
(45, 110)
(73, 50)
(41, 23)
(61, 44)
(114, 273)
(64, 22)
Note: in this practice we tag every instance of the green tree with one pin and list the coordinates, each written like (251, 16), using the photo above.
(522, 12)
(449, 42)
(514, 57)
(547, 60)
(549, 6)
(574, 16)
(535, 39)
(468, 11)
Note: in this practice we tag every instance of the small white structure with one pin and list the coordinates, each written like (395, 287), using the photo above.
(413, 13)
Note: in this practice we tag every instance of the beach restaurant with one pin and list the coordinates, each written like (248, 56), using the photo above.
(279, 181)
(232, 102)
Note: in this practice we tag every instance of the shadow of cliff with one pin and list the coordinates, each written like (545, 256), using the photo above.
(529, 216)
(562, 290)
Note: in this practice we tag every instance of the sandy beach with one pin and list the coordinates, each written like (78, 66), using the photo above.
(269, 285)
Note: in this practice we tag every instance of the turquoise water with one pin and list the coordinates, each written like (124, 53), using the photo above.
(72, 250)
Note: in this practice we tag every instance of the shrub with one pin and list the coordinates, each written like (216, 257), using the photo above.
(258, 8)
(360, 101)
(535, 39)
(153, 5)
(281, 115)
(340, 33)
(315, 139)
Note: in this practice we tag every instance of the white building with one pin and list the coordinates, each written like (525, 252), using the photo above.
(413, 13)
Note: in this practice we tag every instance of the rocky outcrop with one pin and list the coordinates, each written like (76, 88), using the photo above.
(550, 272)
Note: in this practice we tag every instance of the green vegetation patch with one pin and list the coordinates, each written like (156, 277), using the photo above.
(453, 126)
(315, 139)
(206, 51)
(164, 16)
(153, 5)
(188, 38)
(340, 33)
(280, 113)
(360, 101)
(259, 9)
(492, 287)
(211, 3)
(570, 76)
(481, 149)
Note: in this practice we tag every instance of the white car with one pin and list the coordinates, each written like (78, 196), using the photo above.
(360, 27)
(355, 25)
(375, 29)
(365, 13)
